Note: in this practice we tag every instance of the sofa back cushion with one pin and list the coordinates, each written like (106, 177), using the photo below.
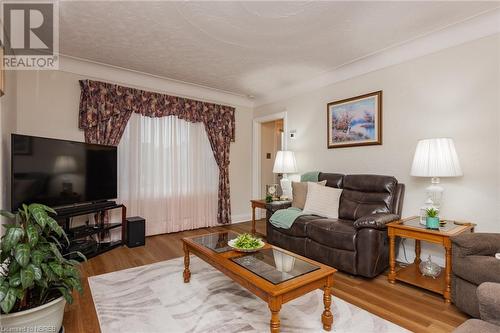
(366, 194)
(332, 179)
(322, 200)
(299, 193)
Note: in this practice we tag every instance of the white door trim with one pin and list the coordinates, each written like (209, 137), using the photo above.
(256, 147)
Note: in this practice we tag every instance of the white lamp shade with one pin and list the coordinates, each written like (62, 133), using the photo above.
(285, 162)
(436, 158)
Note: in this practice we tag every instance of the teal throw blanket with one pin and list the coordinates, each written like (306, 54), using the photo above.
(311, 176)
(284, 218)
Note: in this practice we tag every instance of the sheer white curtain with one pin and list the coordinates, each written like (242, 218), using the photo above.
(168, 174)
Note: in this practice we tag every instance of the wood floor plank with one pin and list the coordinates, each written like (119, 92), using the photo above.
(407, 306)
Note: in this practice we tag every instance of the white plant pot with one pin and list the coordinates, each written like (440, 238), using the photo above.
(45, 318)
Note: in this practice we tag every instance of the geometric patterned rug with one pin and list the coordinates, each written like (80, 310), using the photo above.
(153, 299)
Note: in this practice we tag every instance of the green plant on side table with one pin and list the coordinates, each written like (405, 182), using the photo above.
(36, 280)
(432, 219)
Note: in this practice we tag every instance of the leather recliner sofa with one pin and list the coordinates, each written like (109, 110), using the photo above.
(356, 242)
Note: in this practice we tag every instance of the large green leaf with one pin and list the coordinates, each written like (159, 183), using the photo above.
(36, 270)
(71, 272)
(49, 272)
(27, 277)
(66, 294)
(54, 226)
(32, 233)
(3, 290)
(11, 238)
(22, 254)
(9, 300)
(56, 268)
(14, 267)
(37, 257)
(15, 280)
(76, 284)
(46, 208)
(56, 252)
(7, 214)
(39, 214)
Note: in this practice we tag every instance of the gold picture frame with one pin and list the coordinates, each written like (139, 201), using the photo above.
(355, 121)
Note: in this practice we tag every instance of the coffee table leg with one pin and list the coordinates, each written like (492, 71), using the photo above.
(275, 307)
(327, 316)
(187, 273)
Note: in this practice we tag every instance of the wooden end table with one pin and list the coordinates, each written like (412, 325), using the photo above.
(411, 228)
(256, 203)
(261, 203)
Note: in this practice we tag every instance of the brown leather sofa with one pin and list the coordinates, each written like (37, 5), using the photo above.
(357, 241)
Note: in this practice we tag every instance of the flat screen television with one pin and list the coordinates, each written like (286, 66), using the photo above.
(61, 173)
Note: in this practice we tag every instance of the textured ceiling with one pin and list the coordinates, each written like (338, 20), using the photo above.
(247, 48)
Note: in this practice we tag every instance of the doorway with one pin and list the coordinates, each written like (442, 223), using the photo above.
(271, 140)
(262, 163)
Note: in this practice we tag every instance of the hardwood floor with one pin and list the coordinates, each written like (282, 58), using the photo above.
(410, 307)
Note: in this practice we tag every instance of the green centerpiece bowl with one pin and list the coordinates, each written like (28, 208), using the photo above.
(246, 243)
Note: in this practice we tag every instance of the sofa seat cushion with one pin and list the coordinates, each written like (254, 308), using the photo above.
(335, 233)
(298, 228)
(478, 269)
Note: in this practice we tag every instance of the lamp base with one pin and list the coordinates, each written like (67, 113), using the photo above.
(286, 187)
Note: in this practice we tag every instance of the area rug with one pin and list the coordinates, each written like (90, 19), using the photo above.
(154, 299)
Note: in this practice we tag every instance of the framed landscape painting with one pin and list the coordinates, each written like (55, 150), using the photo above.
(355, 121)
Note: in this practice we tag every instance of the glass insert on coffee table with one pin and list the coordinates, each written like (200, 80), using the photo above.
(273, 274)
(274, 265)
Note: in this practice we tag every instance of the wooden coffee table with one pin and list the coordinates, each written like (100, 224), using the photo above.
(275, 275)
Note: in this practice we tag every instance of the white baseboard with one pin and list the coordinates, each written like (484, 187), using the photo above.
(241, 218)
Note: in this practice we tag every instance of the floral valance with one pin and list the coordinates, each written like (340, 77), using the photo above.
(100, 100)
(105, 109)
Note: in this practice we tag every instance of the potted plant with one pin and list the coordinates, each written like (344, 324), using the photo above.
(36, 280)
(432, 218)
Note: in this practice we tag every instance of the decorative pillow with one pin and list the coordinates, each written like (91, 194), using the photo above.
(299, 193)
(322, 200)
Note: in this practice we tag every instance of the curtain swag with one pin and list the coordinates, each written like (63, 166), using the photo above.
(106, 108)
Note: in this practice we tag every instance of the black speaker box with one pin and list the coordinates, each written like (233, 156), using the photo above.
(136, 231)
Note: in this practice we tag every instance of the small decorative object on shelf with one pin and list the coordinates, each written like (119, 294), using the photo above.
(428, 268)
(269, 198)
(432, 219)
(272, 191)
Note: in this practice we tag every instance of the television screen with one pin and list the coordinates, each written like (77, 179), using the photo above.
(61, 173)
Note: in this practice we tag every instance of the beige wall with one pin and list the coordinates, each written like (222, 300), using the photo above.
(453, 93)
(8, 105)
(48, 106)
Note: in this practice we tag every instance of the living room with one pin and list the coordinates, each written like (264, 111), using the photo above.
(142, 127)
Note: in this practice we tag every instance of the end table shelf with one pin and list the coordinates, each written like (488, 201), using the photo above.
(411, 228)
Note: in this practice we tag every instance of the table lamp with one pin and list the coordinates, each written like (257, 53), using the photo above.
(284, 164)
(435, 158)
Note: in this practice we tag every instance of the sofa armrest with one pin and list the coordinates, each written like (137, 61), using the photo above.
(375, 221)
(488, 294)
(272, 207)
(483, 244)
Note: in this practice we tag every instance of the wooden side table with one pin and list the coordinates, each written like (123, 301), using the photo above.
(256, 204)
(261, 203)
(411, 228)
